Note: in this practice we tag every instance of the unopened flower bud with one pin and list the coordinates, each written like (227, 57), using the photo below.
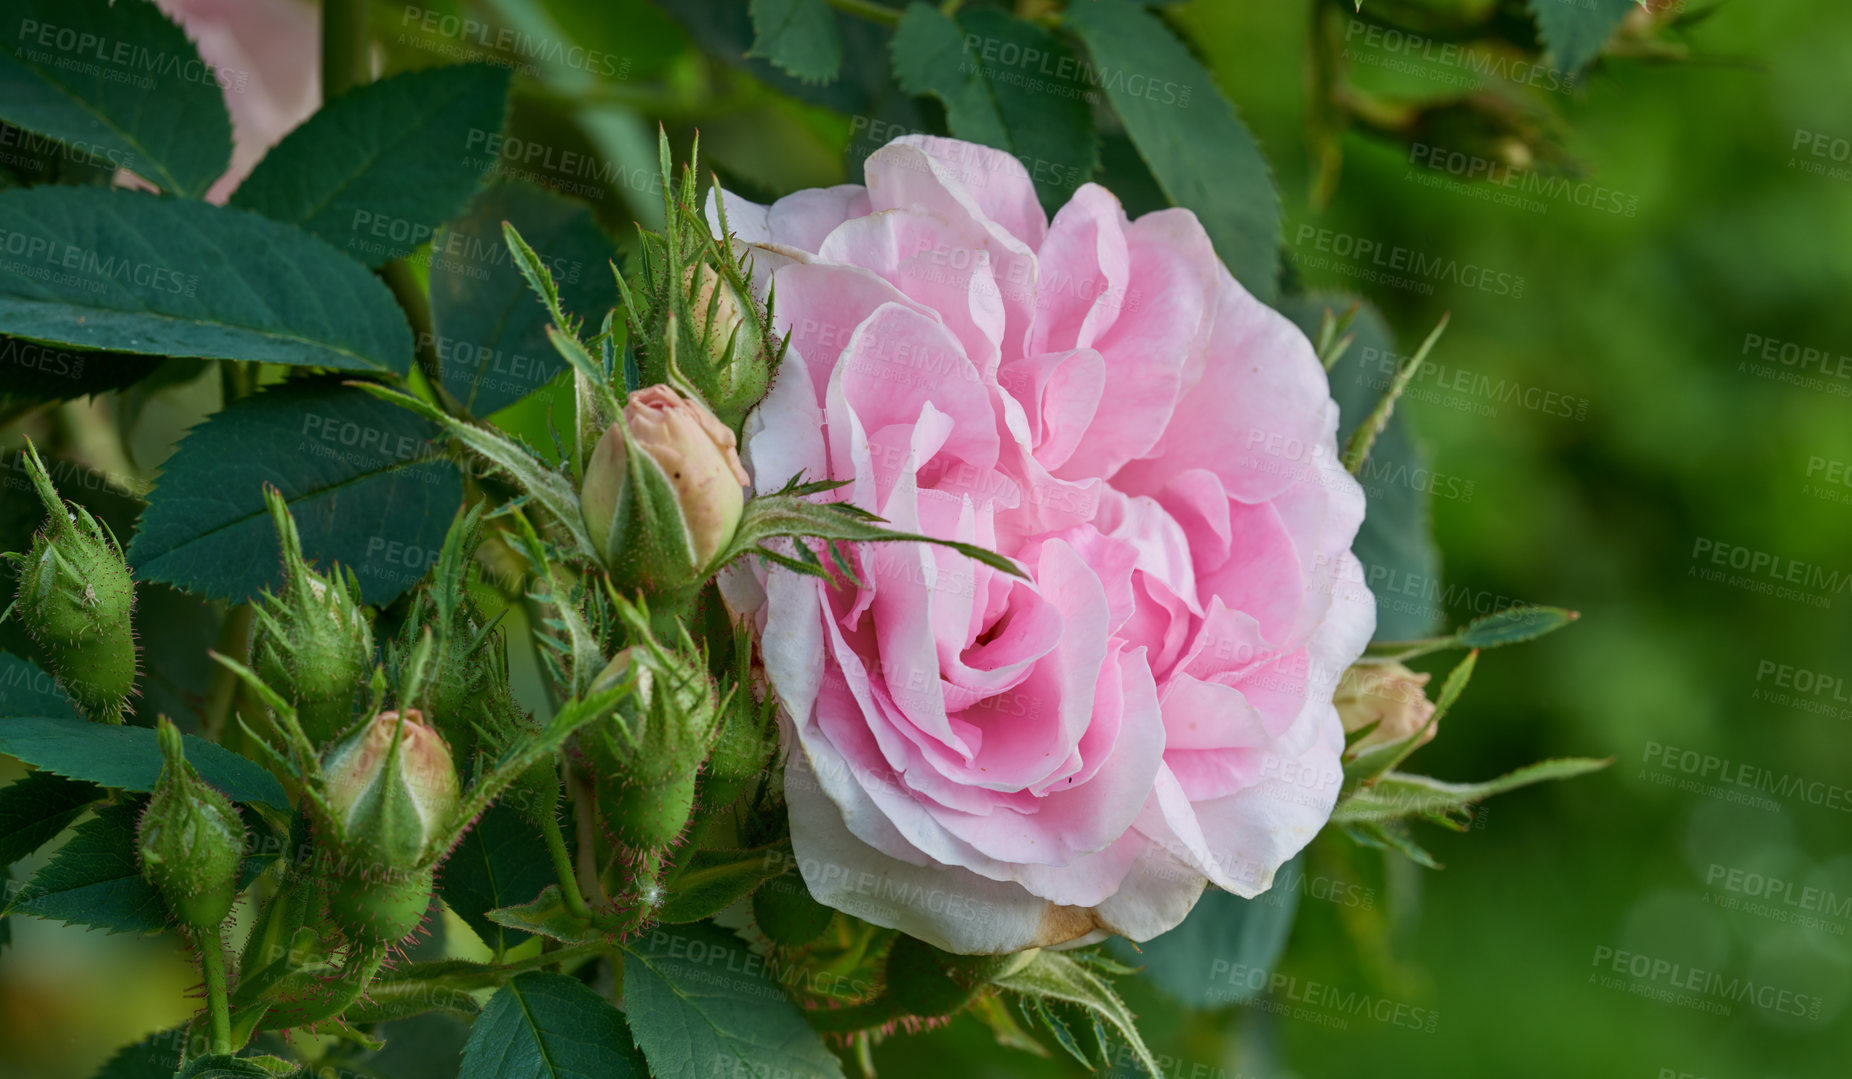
(312, 643)
(1388, 695)
(393, 790)
(189, 840)
(76, 599)
(647, 757)
(658, 522)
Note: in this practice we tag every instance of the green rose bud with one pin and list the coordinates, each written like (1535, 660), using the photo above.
(312, 644)
(731, 328)
(393, 791)
(189, 840)
(663, 492)
(76, 599)
(646, 758)
(1388, 695)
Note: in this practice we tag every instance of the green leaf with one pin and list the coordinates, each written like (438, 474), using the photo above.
(226, 1066)
(379, 168)
(1189, 135)
(701, 1004)
(1055, 976)
(128, 758)
(155, 1057)
(34, 371)
(550, 490)
(772, 516)
(25, 690)
(1401, 564)
(1221, 932)
(38, 807)
(799, 36)
(361, 477)
(1020, 110)
(1398, 794)
(1513, 625)
(95, 879)
(115, 269)
(491, 335)
(1574, 31)
(503, 860)
(546, 916)
(117, 83)
(713, 880)
(548, 1026)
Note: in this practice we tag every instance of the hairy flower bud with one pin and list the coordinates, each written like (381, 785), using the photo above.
(684, 479)
(76, 599)
(189, 840)
(646, 758)
(312, 644)
(1388, 695)
(731, 328)
(393, 790)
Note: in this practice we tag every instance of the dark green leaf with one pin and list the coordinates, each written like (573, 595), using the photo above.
(38, 807)
(379, 168)
(700, 1004)
(1034, 107)
(35, 371)
(713, 880)
(155, 1057)
(1196, 146)
(126, 270)
(1222, 932)
(1574, 31)
(95, 879)
(502, 861)
(1401, 564)
(491, 331)
(117, 83)
(225, 1066)
(549, 1026)
(361, 478)
(799, 36)
(128, 758)
(25, 690)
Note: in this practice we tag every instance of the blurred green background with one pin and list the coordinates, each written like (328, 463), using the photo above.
(1599, 437)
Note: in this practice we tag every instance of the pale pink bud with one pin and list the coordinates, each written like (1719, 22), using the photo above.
(1389, 695)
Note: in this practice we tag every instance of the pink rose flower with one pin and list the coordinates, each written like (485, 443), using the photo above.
(991, 763)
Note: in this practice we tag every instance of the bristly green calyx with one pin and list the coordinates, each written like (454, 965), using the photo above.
(76, 598)
(312, 643)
